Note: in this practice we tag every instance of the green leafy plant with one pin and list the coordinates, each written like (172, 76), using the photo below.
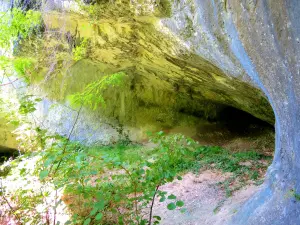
(111, 187)
(92, 95)
(292, 193)
(243, 166)
(115, 188)
(18, 24)
(80, 51)
(23, 67)
(28, 103)
(119, 184)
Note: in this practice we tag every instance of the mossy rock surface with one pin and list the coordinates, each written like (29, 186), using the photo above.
(165, 79)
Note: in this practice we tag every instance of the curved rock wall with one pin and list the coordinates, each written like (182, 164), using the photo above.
(222, 52)
(156, 59)
(260, 40)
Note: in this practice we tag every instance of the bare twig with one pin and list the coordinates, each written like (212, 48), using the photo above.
(7, 202)
(135, 190)
(54, 216)
(152, 204)
(68, 140)
(11, 82)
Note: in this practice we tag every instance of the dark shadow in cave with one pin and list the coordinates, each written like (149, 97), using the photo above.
(242, 123)
(6, 153)
(237, 130)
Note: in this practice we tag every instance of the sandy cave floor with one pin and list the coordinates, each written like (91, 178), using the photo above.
(202, 196)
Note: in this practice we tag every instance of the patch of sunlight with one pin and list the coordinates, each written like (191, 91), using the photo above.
(22, 178)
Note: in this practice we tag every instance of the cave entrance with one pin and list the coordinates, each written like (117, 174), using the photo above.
(237, 130)
(242, 123)
(6, 153)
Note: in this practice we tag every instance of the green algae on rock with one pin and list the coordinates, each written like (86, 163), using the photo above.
(163, 73)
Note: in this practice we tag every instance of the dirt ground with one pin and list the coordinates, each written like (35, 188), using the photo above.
(205, 201)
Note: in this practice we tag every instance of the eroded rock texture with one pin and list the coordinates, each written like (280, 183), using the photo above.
(270, 32)
(192, 57)
(262, 38)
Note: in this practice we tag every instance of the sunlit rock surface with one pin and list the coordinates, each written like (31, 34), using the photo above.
(189, 58)
(173, 79)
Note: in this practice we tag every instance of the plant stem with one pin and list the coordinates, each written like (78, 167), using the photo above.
(7, 202)
(54, 216)
(68, 140)
(11, 82)
(152, 204)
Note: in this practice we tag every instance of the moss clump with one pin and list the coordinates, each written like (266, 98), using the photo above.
(189, 30)
(165, 8)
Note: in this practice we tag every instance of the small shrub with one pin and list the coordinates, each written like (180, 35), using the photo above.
(91, 96)
(234, 163)
(123, 194)
(80, 51)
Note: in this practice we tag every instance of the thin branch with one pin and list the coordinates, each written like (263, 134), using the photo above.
(54, 216)
(7, 202)
(135, 190)
(68, 140)
(152, 204)
(11, 82)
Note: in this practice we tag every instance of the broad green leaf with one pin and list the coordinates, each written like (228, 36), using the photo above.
(87, 221)
(171, 206)
(94, 172)
(22, 171)
(179, 203)
(171, 196)
(157, 217)
(93, 212)
(48, 162)
(43, 174)
(99, 205)
(160, 133)
(117, 198)
(99, 216)
(162, 199)
(99, 195)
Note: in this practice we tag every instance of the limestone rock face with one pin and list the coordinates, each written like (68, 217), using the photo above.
(8, 142)
(259, 39)
(270, 32)
(177, 71)
(174, 64)
(194, 58)
(7, 138)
